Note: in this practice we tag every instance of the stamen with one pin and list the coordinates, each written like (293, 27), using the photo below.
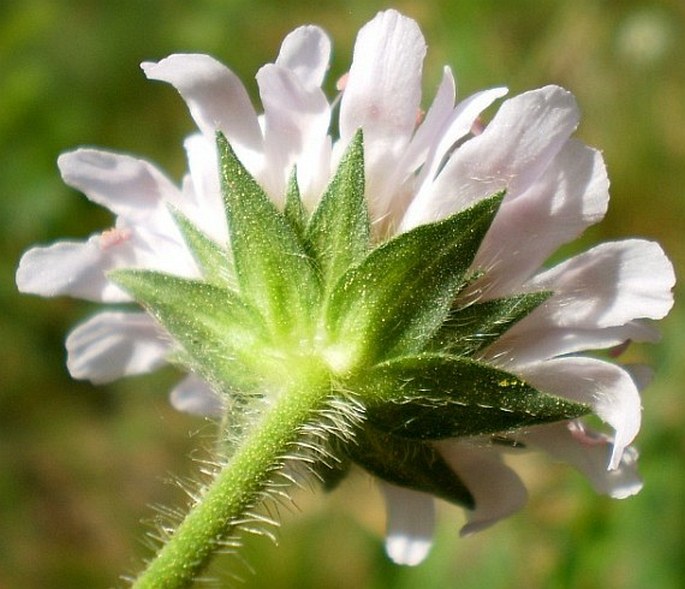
(616, 351)
(113, 237)
(581, 435)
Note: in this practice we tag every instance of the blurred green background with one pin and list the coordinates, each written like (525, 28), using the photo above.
(80, 465)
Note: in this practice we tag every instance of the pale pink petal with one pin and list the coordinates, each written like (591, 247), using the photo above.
(401, 180)
(161, 248)
(296, 120)
(127, 186)
(410, 524)
(589, 453)
(383, 96)
(206, 207)
(216, 98)
(606, 388)
(306, 52)
(456, 127)
(514, 149)
(497, 490)
(533, 340)
(115, 344)
(383, 90)
(609, 285)
(75, 269)
(433, 125)
(570, 195)
(194, 395)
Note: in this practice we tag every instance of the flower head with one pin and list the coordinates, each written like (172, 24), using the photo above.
(405, 256)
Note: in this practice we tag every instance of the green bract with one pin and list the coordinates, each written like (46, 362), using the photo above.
(378, 323)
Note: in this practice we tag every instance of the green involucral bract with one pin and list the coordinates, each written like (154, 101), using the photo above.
(395, 299)
(215, 261)
(433, 396)
(338, 232)
(298, 291)
(408, 463)
(470, 328)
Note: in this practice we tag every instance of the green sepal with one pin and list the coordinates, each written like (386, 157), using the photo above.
(400, 294)
(338, 232)
(471, 328)
(274, 272)
(221, 338)
(294, 210)
(214, 260)
(408, 463)
(432, 396)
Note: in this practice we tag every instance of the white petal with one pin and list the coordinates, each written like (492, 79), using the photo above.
(589, 453)
(75, 269)
(607, 388)
(609, 285)
(382, 96)
(111, 345)
(532, 340)
(306, 52)
(296, 120)
(433, 126)
(410, 524)
(162, 248)
(207, 211)
(497, 490)
(458, 126)
(383, 90)
(514, 149)
(216, 98)
(571, 194)
(194, 395)
(129, 187)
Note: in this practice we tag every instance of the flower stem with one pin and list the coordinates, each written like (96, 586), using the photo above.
(236, 488)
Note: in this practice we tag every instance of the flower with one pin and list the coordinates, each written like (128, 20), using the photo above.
(418, 171)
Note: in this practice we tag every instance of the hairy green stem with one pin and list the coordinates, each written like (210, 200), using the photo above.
(236, 488)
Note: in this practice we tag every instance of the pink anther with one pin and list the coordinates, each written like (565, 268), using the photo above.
(113, 237)
(616, 351)
(341, 84)
(478, 127)
(580, 434)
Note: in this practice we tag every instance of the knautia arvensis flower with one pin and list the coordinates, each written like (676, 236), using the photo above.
(376, 298)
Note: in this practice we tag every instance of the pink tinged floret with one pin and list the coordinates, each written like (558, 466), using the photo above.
(588, 452)
(608, 389)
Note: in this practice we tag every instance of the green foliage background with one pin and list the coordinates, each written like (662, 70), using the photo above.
(80, 465)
